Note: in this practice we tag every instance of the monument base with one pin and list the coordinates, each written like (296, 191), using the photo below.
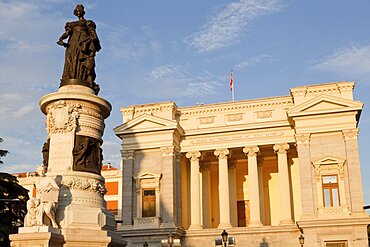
(37, 236)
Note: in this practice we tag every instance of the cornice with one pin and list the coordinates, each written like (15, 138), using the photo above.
(243, 105)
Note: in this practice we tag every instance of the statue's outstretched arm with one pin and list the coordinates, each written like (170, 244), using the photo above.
(64, 36)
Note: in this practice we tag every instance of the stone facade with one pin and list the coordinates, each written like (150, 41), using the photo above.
(258, 168)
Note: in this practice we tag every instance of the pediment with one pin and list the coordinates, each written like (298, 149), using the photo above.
(145, 122)
(325, 104)
(328, 160)
(147, 175)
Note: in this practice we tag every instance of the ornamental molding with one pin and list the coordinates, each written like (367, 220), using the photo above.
(84, 184)
(206, 120)
(251, 150)
(302, 138)
(263, 114)
(234, 117)
(350, 134)
(169, 151)
(222, 153)
(278, 102)
(193, 155)
(329, 165)
(62, 118)
(127, 154)
(281, 148)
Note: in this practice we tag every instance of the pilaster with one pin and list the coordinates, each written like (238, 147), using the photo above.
(128, 188)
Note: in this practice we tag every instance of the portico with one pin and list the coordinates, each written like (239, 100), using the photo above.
(254, 167)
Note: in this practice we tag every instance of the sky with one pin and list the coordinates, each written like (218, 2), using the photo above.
(179, 51)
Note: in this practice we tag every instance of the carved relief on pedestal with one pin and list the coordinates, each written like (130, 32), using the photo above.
(62, 118)
(84, 184)
(87, 155)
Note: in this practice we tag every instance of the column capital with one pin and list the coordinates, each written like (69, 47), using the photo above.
(281, 148)
(127, 154)
(193, 155)
(222, 153)
(251, 150)
(302, 138)
(350, 134)
(169, 151)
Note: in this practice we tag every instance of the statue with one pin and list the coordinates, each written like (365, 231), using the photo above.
(41, 210)
(82, 45)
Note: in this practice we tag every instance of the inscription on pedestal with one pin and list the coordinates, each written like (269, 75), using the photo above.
(60, 154)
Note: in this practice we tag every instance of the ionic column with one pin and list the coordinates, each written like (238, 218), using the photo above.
(195, 222)
(206, 195)
(223, 188)
(254, 200)
(285, 200)
(233, 204)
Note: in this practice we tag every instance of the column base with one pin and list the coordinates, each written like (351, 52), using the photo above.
(195, 227)
(286, 222)
(224, 225)
(255, 224)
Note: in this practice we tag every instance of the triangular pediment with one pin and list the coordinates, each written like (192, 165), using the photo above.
(147, 175)
(325, 104)
(144, 123)
(328, 160)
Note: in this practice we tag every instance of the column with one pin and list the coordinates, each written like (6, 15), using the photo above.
(285, 200)
(194, 190)
(254, 200)
(232, 184)
(205, 170)
(128, 188)
(223, 188)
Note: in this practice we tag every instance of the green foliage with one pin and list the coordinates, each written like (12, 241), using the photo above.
(13, 198)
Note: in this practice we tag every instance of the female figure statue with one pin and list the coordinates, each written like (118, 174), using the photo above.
(82, 45)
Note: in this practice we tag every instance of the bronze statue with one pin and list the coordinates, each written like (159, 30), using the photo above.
(82, 45)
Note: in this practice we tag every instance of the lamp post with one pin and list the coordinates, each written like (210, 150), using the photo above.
(301, 240)
(145, 244)
(170, 239)
(224, 235)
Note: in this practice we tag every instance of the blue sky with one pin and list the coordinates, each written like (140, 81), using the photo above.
(180, 51)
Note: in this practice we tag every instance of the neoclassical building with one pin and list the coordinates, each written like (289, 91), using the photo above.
(266, 170)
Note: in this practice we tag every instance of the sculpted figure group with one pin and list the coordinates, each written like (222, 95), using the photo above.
(41, 209)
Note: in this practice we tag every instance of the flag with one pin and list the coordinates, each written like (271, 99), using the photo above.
(231, 81)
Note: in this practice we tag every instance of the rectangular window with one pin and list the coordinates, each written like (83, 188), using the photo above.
(330, 191)
(149, 203)
(336, 244)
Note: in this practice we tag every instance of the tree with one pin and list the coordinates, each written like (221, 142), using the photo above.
(13, 198)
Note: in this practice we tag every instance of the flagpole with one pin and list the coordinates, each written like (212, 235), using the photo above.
(232, 85)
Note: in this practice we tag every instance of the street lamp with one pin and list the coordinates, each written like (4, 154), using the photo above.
(170, 239)
(301, 240)
(145, 244)
(224, 235)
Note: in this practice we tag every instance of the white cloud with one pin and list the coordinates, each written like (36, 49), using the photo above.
(351, 60)
(253, 60)
(174, 82)
(226, 27)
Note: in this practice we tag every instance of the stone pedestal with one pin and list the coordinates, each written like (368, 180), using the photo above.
(75, 124)
(37, 236)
